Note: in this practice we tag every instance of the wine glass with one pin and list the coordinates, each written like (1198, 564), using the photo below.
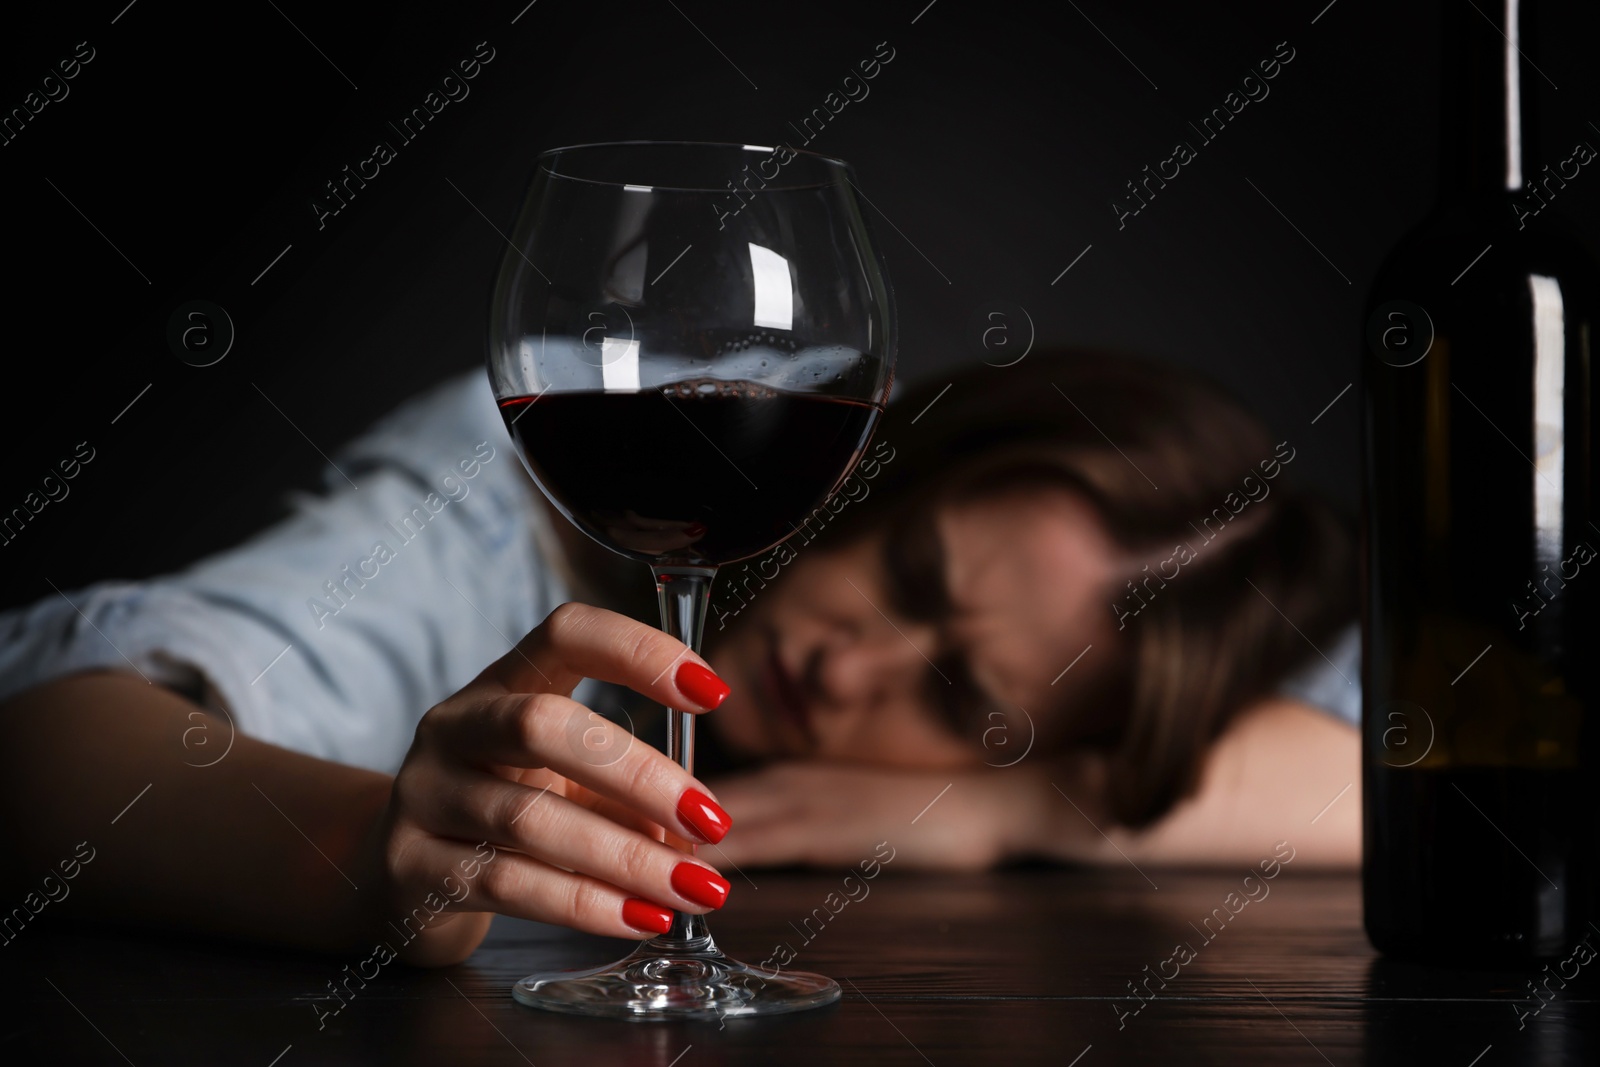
(691, 345)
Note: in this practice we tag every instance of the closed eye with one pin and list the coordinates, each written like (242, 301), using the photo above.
(913, 563)
(960, 703)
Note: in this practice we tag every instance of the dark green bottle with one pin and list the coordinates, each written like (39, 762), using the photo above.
(1481, 541)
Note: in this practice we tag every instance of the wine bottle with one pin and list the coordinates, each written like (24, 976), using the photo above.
(1481, 544)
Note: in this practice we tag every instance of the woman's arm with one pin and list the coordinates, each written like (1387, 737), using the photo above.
(513, 798)
(1264, 781)
(215, 849)
(1273, 776)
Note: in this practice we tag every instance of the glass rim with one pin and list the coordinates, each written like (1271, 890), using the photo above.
(840, 168)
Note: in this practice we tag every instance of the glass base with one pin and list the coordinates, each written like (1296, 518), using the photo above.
(674, 978)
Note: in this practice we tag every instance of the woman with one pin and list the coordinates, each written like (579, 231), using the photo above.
(1050, 616)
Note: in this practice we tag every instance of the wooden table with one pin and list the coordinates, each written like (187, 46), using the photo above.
(1015, 967)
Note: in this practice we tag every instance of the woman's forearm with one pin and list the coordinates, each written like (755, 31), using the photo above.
(1282, 772)
(264, 843)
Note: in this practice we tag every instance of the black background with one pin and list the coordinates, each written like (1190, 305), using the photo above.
(991, 146)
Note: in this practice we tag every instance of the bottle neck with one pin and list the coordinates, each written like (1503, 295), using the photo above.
(1487, 99)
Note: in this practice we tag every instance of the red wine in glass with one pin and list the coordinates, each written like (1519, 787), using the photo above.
(747, 462)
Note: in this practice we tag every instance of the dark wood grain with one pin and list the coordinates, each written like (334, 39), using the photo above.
(1020, 966)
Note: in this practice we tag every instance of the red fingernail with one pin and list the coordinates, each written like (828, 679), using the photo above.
(701, 686)
(643, 915)
(702, 815)
(700, 884)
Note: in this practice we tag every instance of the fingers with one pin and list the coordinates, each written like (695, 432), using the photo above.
(513, 884)
(623, 815)
(577, 641)
(553, 829)
(555, 731)
(586, 850)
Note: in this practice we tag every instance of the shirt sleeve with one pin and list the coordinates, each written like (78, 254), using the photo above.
(331, 633)
(1331, 679)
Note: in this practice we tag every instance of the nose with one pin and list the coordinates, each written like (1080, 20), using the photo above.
(860, 665)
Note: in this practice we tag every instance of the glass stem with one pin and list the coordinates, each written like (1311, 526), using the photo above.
(684, 594)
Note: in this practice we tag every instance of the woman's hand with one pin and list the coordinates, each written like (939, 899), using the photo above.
(516, 799)
(819, 813)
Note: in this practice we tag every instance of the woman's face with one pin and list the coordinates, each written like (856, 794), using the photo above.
(823, 665)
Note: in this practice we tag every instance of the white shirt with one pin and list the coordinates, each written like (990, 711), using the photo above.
(335, 630)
